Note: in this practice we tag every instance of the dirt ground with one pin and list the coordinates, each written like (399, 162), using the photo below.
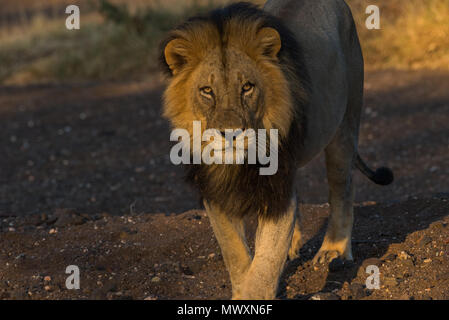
(86, 180)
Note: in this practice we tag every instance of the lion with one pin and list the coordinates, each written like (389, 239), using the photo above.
(295, 66)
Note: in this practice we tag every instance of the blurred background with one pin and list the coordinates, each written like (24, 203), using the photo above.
(35, 46)
(80, 123)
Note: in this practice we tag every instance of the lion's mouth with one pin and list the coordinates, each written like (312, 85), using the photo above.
(239, 141)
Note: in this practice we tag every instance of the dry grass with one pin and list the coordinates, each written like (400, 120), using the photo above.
(44, 50)
(52, 53)
(414, 34)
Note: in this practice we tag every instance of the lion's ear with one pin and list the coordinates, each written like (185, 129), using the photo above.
(176, 54)
(269, 42)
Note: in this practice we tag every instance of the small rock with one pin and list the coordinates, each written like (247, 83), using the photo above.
(150, 298)
(155, 279)
(211, 256)
(324, 296)
(47, 278)
(403, 255)
(434, 169)
(47, 288)
(21, 256)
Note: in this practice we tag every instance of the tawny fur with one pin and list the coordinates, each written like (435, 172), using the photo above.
(308, 84)
(208, 50)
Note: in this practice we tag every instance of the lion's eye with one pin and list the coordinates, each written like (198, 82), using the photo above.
(206, 91)
(247, 87)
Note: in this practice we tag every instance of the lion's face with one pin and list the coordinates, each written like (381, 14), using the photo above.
(227, 81)
(231, 95)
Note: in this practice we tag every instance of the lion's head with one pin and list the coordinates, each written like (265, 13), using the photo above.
(236, 68)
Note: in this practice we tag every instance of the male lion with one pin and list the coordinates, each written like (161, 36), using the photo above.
(297, 67)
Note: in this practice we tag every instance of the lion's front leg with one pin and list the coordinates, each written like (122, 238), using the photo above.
(273, 239)
(293, 252)
(339, 159)
(230, 234)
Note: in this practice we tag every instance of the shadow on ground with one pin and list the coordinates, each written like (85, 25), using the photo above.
(381, 233)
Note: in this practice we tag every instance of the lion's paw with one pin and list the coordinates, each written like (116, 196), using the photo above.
(325, 256)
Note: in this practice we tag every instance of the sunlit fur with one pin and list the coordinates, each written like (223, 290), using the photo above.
(235, 33)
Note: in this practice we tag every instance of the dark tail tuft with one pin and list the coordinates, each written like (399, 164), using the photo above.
(382, 176)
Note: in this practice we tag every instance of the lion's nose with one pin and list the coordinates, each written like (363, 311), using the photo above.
(236, 132)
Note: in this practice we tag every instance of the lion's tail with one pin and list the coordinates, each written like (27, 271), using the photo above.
(383, 176)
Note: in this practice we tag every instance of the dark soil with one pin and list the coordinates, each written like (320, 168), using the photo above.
(102, 151)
